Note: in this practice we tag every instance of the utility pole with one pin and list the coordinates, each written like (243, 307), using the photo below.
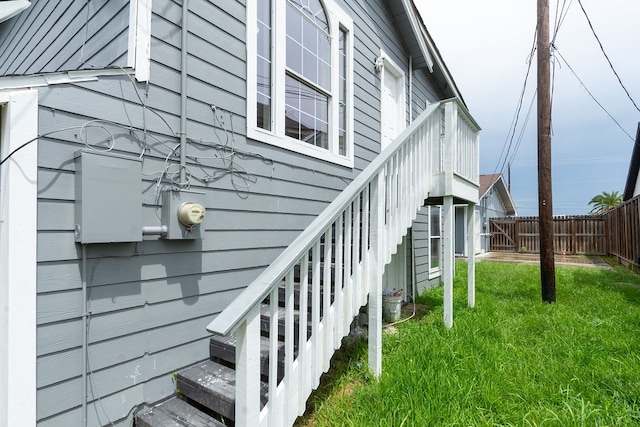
(545, 205)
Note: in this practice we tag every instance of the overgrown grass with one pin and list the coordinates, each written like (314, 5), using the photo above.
(511, 361)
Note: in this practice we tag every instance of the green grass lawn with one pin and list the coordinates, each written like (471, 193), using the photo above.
(512, 360)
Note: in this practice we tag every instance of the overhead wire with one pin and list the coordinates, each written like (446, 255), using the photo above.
(560, 17)
(514, 123)
(561, 14)
(607, 56)
(524, 128)
(556, 51)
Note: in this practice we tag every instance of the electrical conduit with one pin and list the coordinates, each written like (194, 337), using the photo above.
(183, 93)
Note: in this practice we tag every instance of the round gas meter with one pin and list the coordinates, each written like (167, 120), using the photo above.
(191, 214)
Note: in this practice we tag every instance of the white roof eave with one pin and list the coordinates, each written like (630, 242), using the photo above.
(417, 30)
(9, 9)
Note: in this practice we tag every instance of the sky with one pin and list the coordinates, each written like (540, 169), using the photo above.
(487, 45)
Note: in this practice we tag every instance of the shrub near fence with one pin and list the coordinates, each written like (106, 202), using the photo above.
(572, 235)
(623, 229)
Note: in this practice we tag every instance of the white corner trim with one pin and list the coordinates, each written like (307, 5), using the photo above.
(139, 54)
(18, 239)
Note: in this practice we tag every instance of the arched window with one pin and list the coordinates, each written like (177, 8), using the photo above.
(299, 77)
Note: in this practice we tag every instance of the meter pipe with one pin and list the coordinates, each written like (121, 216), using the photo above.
(160, 230)
(183, 93)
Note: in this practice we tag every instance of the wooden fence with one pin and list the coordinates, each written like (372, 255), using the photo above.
(572, 235)
(615, 233)
(623, 228)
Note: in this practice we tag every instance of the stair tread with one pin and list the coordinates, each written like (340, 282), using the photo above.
(228, 345)
(223, 349)
(175, 413)
(213, 377)
(214, 386)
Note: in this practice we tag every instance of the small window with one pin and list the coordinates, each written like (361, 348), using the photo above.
(434, 238)
(300, 97)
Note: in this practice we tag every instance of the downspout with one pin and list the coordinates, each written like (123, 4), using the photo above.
(183, 93)
(410, 89)
(85, 341)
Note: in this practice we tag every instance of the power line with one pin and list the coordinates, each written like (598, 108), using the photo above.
(555, 50)
(524, 128)
(514, 123)
(577, 161)
(560, 17)
(606, 56)
(561, 14)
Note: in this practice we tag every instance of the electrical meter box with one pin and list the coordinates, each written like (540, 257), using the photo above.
(108, 197)
(183, 214)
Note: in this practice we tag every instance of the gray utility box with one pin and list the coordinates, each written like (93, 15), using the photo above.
(172, 200)
(108, 197)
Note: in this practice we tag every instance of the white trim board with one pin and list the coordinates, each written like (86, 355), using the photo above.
(389, 68)
(18, 238)
(139, 53)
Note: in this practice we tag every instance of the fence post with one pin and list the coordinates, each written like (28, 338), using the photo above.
(574, 238)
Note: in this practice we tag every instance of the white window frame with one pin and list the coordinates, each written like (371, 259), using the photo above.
(337, 19)
(437, 271)
(139, 53)
(18, 257)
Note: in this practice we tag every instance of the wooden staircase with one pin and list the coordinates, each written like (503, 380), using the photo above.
(273, 342)
(206, 391)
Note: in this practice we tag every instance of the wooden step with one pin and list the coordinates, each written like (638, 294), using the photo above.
(297, 273)
(265, 322)
(223, 350)
(213, 386)
(296, 297)
(175, 412)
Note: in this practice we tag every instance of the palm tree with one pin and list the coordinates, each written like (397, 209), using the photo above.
(605, 201)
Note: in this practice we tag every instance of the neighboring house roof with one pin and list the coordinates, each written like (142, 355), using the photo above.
(496, 181)
(634, 170)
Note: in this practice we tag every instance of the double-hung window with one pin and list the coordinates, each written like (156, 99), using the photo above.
(299, 77)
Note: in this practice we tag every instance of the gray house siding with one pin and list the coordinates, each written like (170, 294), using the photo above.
(149, 302)
(59, 35)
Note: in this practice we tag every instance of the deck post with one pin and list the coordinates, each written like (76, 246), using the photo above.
(471, 255)
(448, 260)
(375, 275)
(248, 370)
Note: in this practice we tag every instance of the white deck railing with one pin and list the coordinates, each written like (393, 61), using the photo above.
(340, 259)
(466, 143)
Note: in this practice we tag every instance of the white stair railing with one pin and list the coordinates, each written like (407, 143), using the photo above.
(338, 262)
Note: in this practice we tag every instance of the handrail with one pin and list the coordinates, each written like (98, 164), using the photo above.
(260, 288)
(335, 267)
